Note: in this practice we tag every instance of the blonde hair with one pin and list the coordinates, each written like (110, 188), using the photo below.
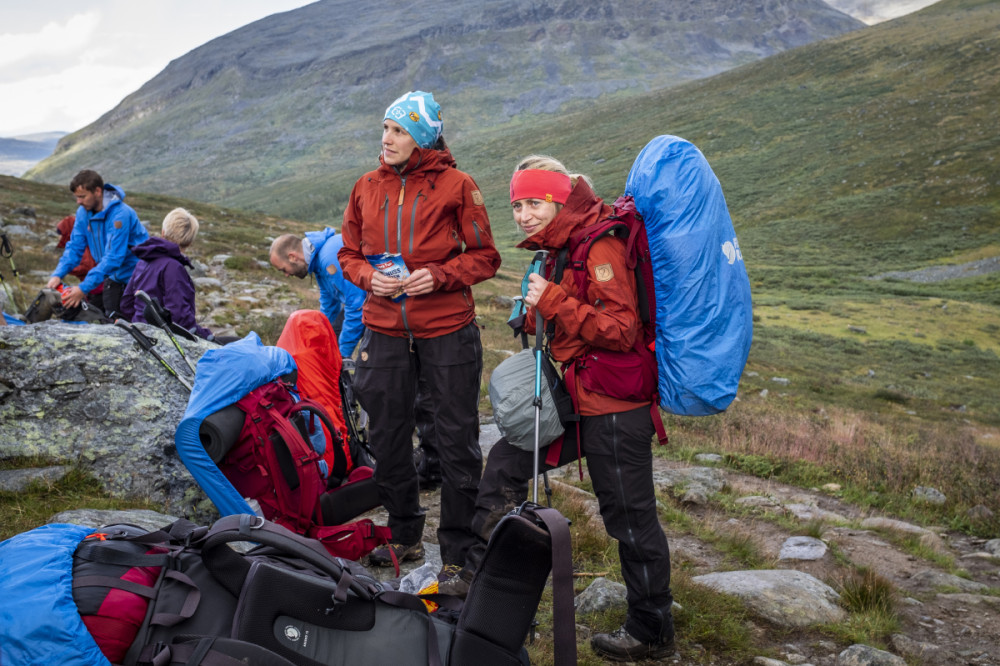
(180, 226)
(547, 163)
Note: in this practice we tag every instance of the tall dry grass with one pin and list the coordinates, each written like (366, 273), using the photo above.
(878, 460)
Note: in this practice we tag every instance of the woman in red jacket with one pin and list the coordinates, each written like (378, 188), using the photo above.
(421, 327)
(615, 432)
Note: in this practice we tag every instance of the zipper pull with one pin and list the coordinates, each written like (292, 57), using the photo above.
(402, 191)
(411, 343)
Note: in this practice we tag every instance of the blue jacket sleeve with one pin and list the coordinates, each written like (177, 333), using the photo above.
(330, 281)
(353, 329)
(73, 252)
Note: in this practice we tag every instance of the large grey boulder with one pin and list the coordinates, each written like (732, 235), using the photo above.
(86, 395)
(787, 598)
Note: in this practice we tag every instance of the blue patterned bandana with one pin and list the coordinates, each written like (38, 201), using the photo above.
(418, 114)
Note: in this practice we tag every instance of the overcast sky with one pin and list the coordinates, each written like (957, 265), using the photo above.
(64, 63)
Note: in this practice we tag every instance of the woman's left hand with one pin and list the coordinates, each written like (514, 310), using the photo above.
(421, 281)
(536, 287)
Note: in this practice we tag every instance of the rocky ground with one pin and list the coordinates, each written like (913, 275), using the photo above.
(944, 618)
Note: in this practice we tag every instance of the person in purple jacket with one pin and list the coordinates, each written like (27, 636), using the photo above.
(161, 273)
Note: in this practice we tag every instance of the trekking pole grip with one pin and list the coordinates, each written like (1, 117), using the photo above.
(151, 313)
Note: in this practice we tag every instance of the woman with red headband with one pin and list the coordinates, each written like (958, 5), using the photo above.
(615, 435)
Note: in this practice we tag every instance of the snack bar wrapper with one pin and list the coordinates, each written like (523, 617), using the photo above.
(390, 265)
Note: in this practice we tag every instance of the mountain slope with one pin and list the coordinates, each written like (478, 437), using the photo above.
(288, 107)
(873, 151)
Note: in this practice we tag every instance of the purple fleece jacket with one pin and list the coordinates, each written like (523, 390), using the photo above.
(161, 274)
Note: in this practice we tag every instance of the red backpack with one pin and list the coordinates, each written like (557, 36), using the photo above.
(275, 462)
(630, 375)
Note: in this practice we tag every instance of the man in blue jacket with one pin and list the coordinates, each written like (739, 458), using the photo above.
(109, 228)
(339, 299)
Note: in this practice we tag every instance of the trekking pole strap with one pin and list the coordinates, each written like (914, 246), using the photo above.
(147, 345)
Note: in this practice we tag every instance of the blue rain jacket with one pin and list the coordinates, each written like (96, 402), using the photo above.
(110, 234)
(335, 292)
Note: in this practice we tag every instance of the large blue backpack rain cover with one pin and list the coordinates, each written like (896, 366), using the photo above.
(704, 319)
(39, 621)
(224, 376)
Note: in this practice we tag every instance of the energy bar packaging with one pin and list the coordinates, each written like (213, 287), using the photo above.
(390, 265)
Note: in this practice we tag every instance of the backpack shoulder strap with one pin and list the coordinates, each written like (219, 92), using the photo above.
(564, 615)
(230, 568)
(211, 651)
(339, 471)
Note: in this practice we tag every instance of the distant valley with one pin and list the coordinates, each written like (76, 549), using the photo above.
(20, 153)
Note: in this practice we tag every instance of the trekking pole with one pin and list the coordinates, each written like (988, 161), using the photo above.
(10, 295)
(356, 433)
(147, 344)
(153, 314)
(7, 250)
(537, 402)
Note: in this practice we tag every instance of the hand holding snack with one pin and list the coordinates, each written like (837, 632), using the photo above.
(385, 286)
(420, 282)
(390, 274)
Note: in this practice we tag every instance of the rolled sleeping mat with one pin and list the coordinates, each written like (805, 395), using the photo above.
(220, 430)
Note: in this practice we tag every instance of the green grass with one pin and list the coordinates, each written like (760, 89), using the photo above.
(34, 506)
(871, 601)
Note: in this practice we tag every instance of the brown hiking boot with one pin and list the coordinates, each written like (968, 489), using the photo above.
(382, 556)
(620, 645)
(453, 580)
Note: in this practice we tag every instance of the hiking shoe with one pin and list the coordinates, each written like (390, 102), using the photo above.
(382, 556)
(620, 645)
(454, 580)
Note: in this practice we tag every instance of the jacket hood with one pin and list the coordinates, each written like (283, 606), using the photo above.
(114, 191)
(157, 248)
(582, 208)
(317, 239)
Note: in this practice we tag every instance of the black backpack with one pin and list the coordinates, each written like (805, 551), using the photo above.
(182, 595)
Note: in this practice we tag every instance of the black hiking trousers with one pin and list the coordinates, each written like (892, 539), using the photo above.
(386, 376)
(618, 448)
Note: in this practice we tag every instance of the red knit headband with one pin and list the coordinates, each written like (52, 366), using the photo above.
(540, 184)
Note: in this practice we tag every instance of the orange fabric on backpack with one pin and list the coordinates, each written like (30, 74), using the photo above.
(309, 338)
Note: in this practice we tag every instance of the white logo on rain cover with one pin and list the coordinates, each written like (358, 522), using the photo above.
(732, 251)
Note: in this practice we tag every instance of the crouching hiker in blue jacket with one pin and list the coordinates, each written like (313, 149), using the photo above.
(339, 299)
(109, 228)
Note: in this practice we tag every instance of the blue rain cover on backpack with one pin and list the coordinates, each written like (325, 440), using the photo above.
(704, 319)
(224, 376)
(39, 621)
